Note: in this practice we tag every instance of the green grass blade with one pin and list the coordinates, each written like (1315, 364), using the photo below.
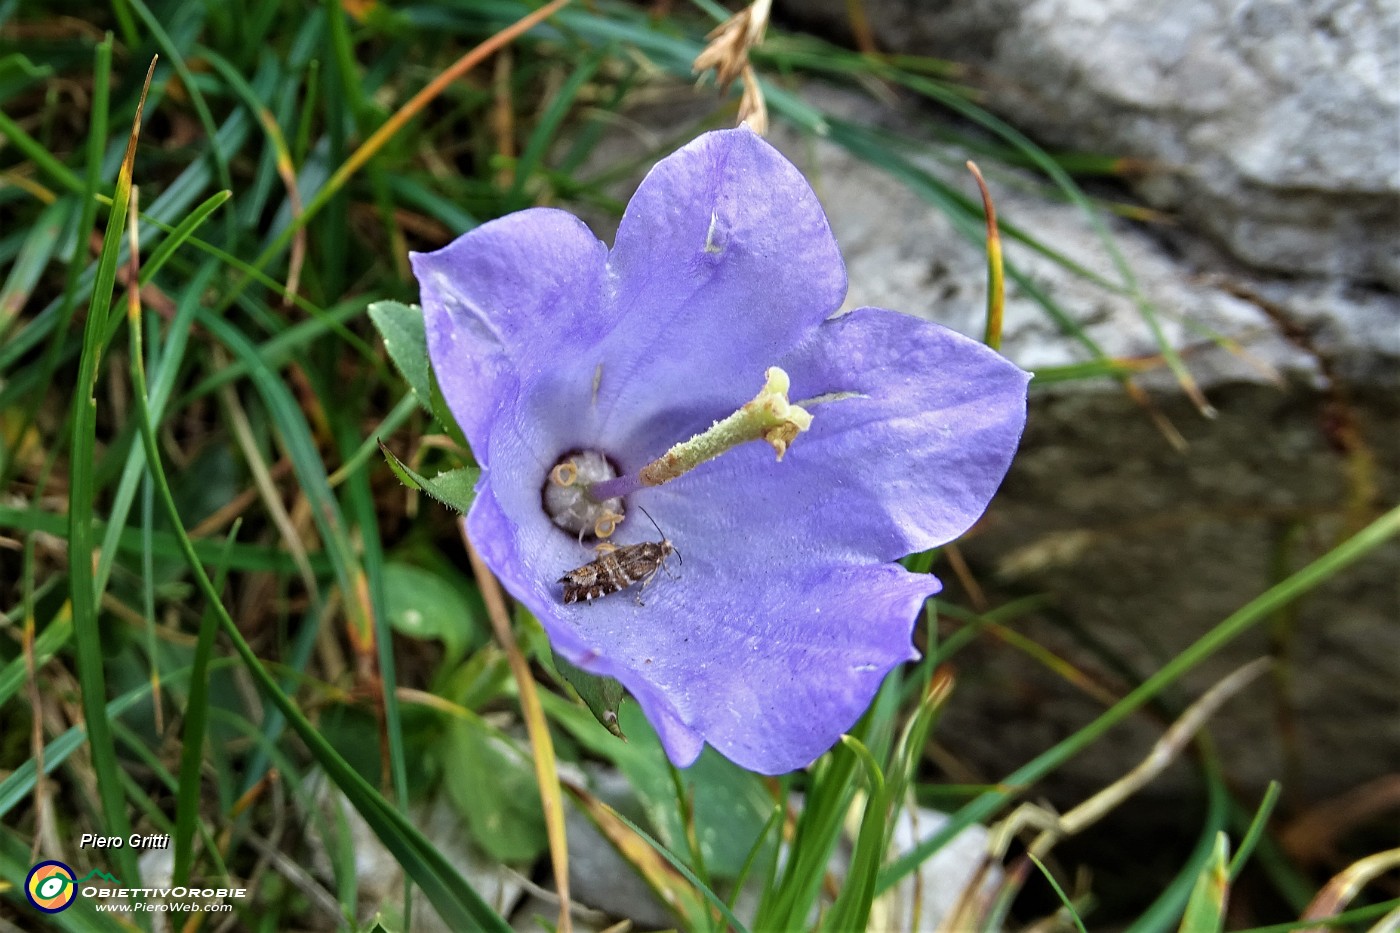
(362, 503)
(165, 370)
(277, 351)
(1351, 919)
(1059, 892)
(818, 830)
(19, 784)
(182, 232)
(938, 91)
(65, 306)
(394, 420)
(852, 908)
(37, 153)
(189, 785)
(1171, 903)
(87, 636)
(1256, 830)
(163, 543)
(191, 86)
(33, 258)
(310, 471)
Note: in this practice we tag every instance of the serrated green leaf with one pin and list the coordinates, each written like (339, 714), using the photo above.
(455, 488)
(602, 695)
(401, 327)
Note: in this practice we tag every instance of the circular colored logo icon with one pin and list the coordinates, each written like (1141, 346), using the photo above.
(50, 886)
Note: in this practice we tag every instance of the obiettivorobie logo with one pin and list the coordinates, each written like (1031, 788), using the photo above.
(51, 886)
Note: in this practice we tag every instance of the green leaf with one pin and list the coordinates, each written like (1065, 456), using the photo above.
(1205, 912)
(455, 488)
(602, 695)
(731, 805)
(423, 605)
(401, 326)
(496, 792)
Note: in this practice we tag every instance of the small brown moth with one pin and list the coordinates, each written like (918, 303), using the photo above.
(618, 568)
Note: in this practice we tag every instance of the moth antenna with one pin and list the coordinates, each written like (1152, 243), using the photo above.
(653, 523)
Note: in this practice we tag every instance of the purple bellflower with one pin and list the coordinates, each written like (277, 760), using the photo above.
(571, 367)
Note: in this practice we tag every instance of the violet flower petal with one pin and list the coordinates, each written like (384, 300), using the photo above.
(907, 464)
(723, 262)
(768, 663)
(496, 295)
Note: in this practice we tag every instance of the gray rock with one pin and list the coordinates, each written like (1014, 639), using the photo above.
(1271, 124)
(1143, 550)
(1230, 323)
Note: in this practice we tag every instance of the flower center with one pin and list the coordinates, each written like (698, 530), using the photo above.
(583, 493)
(566, 499)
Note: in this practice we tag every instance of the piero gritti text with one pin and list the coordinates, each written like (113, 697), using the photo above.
(134, 841)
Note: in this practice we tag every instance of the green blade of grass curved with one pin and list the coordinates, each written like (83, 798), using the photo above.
(87, 636)
(187, 788)
(852, 908)
(1059, 892)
